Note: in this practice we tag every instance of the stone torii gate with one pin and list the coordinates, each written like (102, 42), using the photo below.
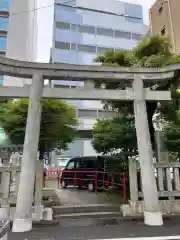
(89, 74)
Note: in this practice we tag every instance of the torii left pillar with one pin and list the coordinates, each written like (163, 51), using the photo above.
(23, 216)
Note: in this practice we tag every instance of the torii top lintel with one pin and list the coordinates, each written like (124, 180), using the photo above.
(59, 71)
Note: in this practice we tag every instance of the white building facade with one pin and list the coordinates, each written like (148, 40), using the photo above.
(22, 35)
(84, 29)
(4, 15)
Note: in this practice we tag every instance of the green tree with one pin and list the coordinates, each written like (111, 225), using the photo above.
(115, 135)
(171, 115)
(150, 52)
(172, 131)
(58, 123)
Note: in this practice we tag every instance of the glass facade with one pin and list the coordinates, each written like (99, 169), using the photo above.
(82, 33)
(86, 29)
(4, 5)
(3, 41)
(4, 8)
(3, 22)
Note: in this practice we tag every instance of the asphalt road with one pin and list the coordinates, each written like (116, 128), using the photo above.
(101, 230)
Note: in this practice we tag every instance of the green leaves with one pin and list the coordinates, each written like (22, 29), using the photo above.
(151, 52)
(171, 114)
(110, 135)
(152, 46)
(57, 123)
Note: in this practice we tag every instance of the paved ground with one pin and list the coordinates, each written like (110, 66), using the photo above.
(106, 230)
(95, 229)
(72, 195)
(79, 197)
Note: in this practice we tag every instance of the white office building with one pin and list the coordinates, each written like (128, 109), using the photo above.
(84, 29)
(22, 35)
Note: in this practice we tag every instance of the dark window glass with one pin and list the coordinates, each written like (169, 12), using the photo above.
(62, 45)
(86, 48)
(104, 32)
(136, 36)
(86, 29)
(63, 25)
(73, 27)
(103, 49)
(83, 163)
(73, 46)
(122, 34)
(85, 134)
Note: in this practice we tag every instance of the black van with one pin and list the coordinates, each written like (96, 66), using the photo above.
(88, 169)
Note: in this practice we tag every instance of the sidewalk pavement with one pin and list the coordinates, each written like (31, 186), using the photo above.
(84, 230)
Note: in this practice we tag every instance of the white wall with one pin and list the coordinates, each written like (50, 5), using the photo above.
(88, 149)
(22, 35)
(45, 28)
(102, 5)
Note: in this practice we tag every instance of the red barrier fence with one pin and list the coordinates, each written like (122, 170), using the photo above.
(57, 175)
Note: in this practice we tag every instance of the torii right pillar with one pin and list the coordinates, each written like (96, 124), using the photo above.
(152, 213)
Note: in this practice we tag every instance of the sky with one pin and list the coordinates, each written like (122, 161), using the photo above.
(45, 23)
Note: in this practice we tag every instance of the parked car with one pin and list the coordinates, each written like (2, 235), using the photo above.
(82, 172)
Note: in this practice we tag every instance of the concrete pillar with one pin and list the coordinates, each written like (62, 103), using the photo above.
(161, 151)
(23, 216)
(38, 189)
(133, 180)
(152, 213)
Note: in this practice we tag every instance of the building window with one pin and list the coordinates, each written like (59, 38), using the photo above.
(86, 48)
(86, 29)
(2, 53)
(122, 34)
(62, 45)
(4, 5)
(163, 31)
(133, 19)
(3, 22)
(136, 36)
(1, 79)
(3, 41)
(84, 134)
(73, 46)
(73, 27)
(102, 50)
(61, 86)
(63, 25)
(104, 32)
(89, 114)
(106, 114)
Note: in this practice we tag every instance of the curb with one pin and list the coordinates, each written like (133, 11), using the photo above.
(141, 218)
(109, 220)
(44, 223)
